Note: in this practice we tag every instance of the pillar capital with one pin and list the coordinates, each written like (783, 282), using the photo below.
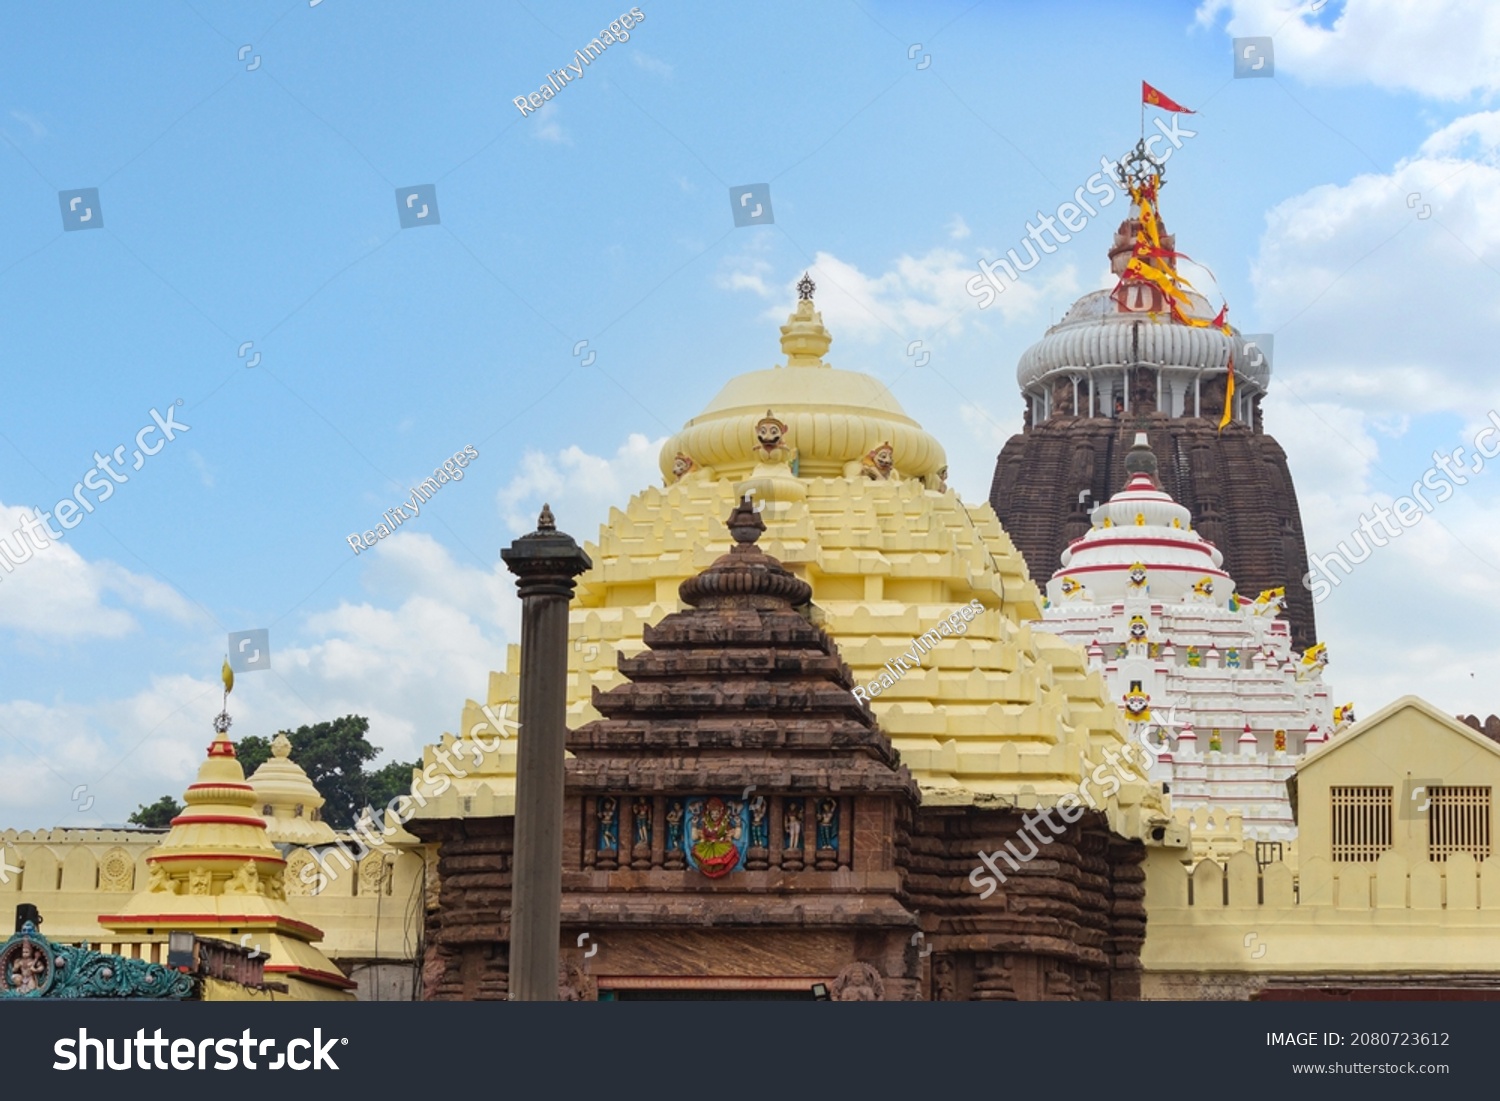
(546, 561)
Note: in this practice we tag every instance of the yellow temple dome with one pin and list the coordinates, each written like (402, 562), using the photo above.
(831, 418)
(288, 800)
(985, 712)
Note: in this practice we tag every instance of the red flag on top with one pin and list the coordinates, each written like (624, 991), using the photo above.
(1152, 98)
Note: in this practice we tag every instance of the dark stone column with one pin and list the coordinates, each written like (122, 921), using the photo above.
(545, 564)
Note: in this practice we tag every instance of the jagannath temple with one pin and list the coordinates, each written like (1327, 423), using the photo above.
(1152, 354)
(786, 755)
(826, 738)
(1208, 673)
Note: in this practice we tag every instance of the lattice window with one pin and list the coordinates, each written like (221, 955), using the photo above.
(1458, 820)
(1361, 823)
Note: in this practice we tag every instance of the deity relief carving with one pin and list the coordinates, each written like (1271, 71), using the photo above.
(640, 813)
(161, 882)
(675, 858)
(858, 982)
(24, 968)
(245, 881)
(682, 466)
(791, 827)
(200, 882)
(879, 464)
(771, 444)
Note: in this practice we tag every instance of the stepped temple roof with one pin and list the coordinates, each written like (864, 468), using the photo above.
(853, 495)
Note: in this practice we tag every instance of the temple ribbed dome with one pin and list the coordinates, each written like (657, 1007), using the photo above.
(288, 801)
(1095, 332)
(832, 416)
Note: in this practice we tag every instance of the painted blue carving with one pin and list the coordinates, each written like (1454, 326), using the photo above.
(33, 967)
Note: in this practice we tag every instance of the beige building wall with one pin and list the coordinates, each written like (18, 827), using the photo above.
(1228, 929)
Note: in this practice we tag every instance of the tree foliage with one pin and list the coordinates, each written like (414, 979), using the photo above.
(334, 755)
(158, 815)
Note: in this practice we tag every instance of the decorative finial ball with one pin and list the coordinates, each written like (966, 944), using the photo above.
(281, 746)
(805, 287)
(744, 523)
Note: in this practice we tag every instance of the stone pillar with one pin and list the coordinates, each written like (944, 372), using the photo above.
(545, 564)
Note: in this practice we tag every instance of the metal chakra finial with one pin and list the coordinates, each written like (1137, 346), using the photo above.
(1140, 166)
(805, 287)
(546, 522)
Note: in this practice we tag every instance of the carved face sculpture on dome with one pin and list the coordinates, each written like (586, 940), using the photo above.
(1138, 578)
(880, 463)
(1071, 588)
(1137, 629)
(682, 466)
(1204, 588)
(770, 436)
(1137, 704)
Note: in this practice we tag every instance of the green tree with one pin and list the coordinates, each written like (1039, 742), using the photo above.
(253, 751)
(334, 755)
(157, 816)
(383, 785)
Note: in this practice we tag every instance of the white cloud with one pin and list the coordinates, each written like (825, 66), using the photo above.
(651, 64)
(205, 475)
(580, 487)
(56, 594)
(547, 127)
(990, 430)
(1444, 49)
(408, 666)
(917, 294)
(958, 229)
(31, 122)
(1398, 311)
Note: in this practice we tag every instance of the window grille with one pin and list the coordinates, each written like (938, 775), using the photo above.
(1458, 820)
(1361, 823)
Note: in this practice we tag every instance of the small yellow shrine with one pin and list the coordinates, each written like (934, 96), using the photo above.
(218, 875)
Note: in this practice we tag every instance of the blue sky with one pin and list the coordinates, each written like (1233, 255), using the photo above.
(246, 202)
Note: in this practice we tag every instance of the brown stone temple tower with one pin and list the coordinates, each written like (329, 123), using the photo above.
(1119, 362)
(737, 822)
